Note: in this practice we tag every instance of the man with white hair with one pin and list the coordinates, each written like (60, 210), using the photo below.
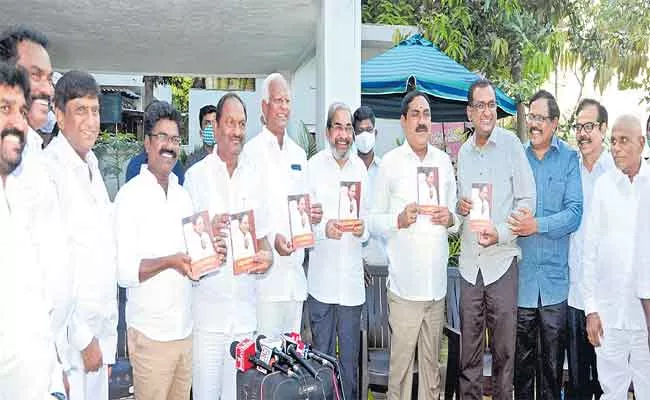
(335, 276)
(615, 324)
(283, 163)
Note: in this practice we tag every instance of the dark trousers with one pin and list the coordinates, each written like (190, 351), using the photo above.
(545, 327)
(583, 376)
(329, 321)
(493, 306)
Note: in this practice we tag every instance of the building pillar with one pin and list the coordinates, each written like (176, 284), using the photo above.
(338, 58)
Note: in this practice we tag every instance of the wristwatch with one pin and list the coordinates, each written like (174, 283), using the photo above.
(58, 396)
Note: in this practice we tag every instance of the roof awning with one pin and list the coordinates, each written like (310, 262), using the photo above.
(418, 62)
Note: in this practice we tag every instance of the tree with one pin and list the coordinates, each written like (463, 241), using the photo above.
(511, 42)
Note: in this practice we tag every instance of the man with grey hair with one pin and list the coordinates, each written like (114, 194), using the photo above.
(615, 321)
(283, 288)
(335, 275)
(417, 250)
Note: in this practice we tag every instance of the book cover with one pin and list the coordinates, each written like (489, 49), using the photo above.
(480, 214)
(349, 202)
(243, 241)
(199, 244)
(299, 221)
(428, 189)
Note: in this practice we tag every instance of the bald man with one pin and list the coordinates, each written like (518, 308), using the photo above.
(615, 319)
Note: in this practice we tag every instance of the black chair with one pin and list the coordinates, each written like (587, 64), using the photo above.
(375, 340)
(120, 384)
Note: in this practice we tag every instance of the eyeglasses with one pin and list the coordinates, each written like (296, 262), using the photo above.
(537, 118)
(587, 126)
(347, 128)
(482, 106)
(163, 137)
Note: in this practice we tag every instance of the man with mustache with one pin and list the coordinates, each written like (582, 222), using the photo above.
(27, 48)
(544, 242)
(615, 321)
(87, 213)
(224, 305)
(417, 251)
(282, 163)
(153, 265)
(488, 259)
(27, 358)
(335, 275)
(590, 130)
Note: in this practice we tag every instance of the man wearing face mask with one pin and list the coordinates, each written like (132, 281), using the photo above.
(335, 276)
(365, 133)
(207, 119)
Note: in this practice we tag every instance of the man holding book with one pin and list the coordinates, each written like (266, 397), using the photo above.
(224, 302)
(153, 264)
(488, 260)
(283, 165)
(417, 250)
(335, 275)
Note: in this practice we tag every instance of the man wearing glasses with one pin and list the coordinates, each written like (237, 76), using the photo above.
(154, 266)
(590, 130)
(488, 260)
(544, 240)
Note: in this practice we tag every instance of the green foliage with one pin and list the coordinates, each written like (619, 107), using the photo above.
(114, 150)
(453, 241)
(388, 12)
(181, 93)
(307, 141)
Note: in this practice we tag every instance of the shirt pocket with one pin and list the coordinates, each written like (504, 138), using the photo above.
(554, 195)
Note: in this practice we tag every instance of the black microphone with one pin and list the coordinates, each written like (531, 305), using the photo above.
(262, 344)
(301, 361)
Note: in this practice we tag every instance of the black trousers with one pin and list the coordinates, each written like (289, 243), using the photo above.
(583, 376)
(493, 306)
(545, 327)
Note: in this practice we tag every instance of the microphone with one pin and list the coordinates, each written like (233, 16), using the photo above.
(302, 362)
(245, 357)
(269, 348)
(293, 340)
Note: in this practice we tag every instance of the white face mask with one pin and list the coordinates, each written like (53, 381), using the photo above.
(365, 142)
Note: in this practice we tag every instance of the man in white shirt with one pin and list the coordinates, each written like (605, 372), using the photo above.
(153, 265)
(282, 163)
(417, 251)
(27, 354)
(225, 305)
(335, 275)
(365, 133)
(615, 321)
(28, 48)
(590, 129)
(87, 212)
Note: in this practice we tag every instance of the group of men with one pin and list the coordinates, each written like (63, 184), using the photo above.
(559, 267)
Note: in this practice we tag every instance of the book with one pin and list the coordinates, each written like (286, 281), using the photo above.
(428, 189)
(480, 214)
(199, 239)
(299, 221)
(349, 201)
(243, 241)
